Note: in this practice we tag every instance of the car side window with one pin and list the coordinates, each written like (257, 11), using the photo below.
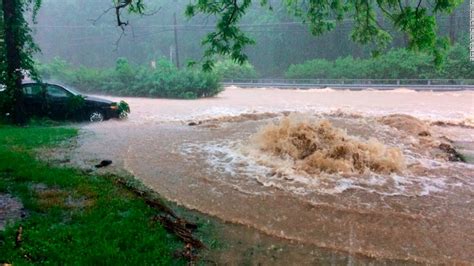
(32, 90)
(54, 91)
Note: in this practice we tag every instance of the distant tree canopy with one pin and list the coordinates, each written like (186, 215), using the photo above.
(416, 18)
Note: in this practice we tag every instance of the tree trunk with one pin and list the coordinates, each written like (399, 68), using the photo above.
(12, 14)
(452, 27)
(406, 39)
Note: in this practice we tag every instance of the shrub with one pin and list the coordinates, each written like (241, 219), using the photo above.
(458, 64)
(399, 63)
(165, 81)
(228, 69)
(396, 64)
(316, 68)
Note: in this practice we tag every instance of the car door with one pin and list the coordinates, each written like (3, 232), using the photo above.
(57, 98)
(34, 99)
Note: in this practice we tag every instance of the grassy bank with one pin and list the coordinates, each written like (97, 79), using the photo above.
(73, 217)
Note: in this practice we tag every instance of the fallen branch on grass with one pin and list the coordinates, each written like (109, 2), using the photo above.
(179, 227)
(149, 200)
(170, 221)
(19, 236)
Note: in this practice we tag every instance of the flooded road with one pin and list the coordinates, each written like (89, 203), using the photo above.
(331, 200)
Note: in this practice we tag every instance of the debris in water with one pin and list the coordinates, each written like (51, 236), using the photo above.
(317, 146)
(453, 155)
(407, 123)
(194, 123)
(103, 163)
(416, 127)
(465, 123)
(424, 134)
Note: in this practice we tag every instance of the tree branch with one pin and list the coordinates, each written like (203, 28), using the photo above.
(400, 5)
(118, 7)
(418, 6)
(94, 21)
(117, 42)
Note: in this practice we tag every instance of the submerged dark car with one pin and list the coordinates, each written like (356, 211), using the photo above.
(60, 102)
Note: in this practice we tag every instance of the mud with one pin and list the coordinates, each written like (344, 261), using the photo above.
(419, 213)
(11, 210)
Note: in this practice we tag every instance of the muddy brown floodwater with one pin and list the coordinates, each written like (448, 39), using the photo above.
(417, 208)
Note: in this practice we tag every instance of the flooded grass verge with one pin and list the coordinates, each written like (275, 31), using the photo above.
(73, 217)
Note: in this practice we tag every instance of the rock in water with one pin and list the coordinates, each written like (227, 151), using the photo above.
(194, 123)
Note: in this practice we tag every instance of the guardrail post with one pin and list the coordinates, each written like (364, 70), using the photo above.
(398, 82)
(429, 82)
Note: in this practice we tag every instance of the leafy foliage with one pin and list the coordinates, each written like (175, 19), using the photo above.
(396, 64)
(124, 108)
(166, 81)
(24, 39)
(416, 18)
(16, 52)
(75, 104)
(229, 69)
(228, 39)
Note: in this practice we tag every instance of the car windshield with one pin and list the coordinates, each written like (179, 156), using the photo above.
(73, 90)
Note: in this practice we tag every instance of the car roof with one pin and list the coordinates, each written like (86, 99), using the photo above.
(30, 82)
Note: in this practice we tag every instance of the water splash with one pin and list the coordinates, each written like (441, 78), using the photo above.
(317, 146)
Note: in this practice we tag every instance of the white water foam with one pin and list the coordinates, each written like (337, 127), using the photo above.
(234, 163)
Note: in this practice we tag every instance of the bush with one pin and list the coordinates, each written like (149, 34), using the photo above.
(228, 69)
(316, 68)
(165, 81)
(396, 64)
(400, 63)
(458, 65)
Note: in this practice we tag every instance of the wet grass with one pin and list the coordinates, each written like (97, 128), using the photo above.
(73, 217)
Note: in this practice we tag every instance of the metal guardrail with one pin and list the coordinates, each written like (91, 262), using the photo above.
(471, 26)
(417, 84)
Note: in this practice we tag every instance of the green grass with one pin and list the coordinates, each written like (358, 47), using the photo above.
(73, 217)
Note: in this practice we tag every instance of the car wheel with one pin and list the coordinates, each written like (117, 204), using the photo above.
(123, 115)
(96, 116)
